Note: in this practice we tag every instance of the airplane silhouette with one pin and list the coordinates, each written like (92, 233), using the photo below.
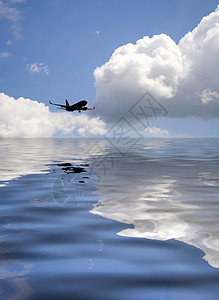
(79, 106)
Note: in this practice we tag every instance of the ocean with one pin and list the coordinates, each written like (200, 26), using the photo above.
(109, 219)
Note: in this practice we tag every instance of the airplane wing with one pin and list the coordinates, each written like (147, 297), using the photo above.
(63, 106)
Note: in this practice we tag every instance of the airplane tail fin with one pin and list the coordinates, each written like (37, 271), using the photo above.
(66, 101)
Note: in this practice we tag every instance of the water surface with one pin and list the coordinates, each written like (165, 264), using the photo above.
(82, 220)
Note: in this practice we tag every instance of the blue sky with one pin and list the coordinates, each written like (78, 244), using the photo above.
(50, 49)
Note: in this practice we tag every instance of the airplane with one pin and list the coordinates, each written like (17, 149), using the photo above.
(79, 106)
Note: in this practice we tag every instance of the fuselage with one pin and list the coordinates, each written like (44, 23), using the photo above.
(77, 106)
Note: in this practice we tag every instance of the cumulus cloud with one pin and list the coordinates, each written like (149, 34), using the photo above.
(208, 96)
(156, 132)
(28, 118)
(173, 73)
(38, 67)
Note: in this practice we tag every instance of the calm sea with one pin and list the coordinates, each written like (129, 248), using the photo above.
(109, 220)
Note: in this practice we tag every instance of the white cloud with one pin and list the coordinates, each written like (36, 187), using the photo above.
(38, 67)
(13, 15)
(97, 32)
(9, 42)
(28, 118)
(173, 74)
(155, 131)
(208, 96)
(4, 54)
(17, 1)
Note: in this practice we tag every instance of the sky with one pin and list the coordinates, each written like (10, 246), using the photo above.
(121, 56)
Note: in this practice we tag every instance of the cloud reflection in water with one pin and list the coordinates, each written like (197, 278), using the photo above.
(166, 190)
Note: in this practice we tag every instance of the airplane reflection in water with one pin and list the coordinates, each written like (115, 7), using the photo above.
(34, 156)
(164, 197)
